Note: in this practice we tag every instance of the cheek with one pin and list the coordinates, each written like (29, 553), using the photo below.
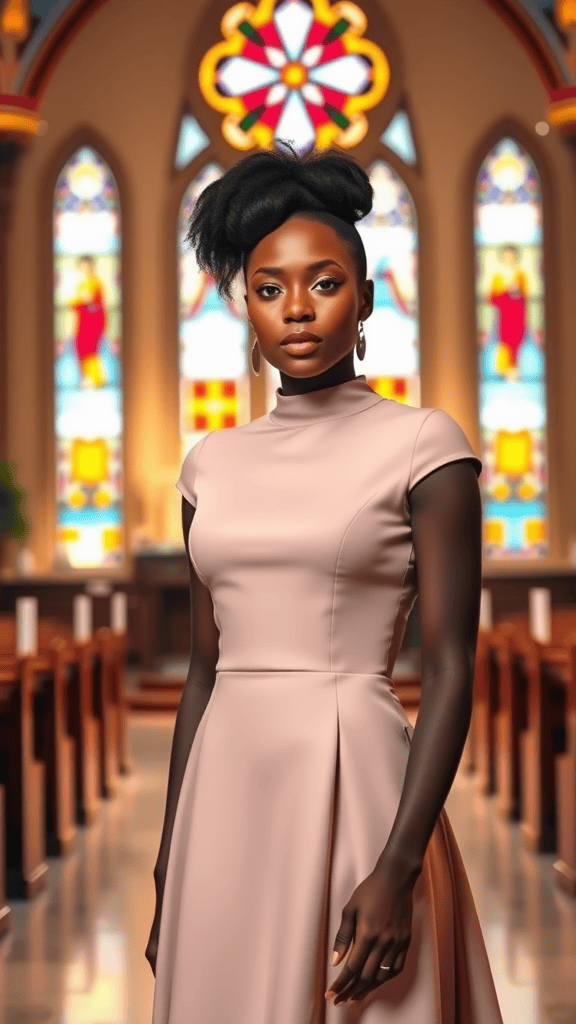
(265, 317)
(340, 313)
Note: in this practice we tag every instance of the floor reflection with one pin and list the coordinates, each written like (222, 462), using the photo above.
(76, 954)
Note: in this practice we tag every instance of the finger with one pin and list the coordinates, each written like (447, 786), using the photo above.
(382, 976)
(371, 975)
(345, 983)
(345, 934)
(400, 961)
(348, 971)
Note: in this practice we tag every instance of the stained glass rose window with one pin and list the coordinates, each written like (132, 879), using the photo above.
(297, 70)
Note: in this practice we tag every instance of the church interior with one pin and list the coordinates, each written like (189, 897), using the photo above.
(117, 354)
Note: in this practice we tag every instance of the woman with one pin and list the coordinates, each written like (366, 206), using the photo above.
(304, 814)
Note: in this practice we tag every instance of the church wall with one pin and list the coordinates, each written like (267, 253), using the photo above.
(123, 80)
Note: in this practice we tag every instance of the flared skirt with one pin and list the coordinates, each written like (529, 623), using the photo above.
(289, 795)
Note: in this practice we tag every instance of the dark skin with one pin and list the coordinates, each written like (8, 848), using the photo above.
(446, 516)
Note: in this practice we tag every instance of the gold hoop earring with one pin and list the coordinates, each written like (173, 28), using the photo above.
(255, 358)
(361, 343)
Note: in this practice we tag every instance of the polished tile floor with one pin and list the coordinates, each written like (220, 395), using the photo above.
(76, 953)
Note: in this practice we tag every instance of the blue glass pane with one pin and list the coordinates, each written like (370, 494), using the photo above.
(398, 137)
(191, 141)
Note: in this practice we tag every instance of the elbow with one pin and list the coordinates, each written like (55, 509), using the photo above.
(454, 673)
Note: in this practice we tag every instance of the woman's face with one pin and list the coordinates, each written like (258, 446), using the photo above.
(302, 279)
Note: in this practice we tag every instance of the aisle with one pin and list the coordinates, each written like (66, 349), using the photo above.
(76, 955)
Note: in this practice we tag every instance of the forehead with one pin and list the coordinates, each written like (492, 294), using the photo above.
(301, 240)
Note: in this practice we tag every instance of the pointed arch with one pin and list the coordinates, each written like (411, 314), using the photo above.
(511, 323)
(88, 405)
(214, 378)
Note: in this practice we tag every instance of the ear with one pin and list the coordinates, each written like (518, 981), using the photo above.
(366, 300)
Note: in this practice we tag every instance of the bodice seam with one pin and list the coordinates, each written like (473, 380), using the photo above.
(355, 516)
(400, 596)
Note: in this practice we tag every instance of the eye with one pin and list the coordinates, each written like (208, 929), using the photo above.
(330, 281)
(261, 290)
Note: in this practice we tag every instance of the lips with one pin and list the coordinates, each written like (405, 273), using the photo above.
(300, 342)
(298, 336)
(300, 348)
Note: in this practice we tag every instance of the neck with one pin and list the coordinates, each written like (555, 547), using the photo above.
(337, 374)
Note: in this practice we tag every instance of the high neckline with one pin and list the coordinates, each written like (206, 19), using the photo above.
(344, 399)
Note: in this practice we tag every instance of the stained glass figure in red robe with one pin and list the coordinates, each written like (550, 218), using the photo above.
(89, 305)
(508, 295)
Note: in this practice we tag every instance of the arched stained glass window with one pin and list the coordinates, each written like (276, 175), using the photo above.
(87, 368)
(390, 235)
(512, 363)
(214, 377)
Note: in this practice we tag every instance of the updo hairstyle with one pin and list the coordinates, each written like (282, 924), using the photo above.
(261, 191)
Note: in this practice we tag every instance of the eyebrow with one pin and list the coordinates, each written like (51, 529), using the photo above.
(312, 266)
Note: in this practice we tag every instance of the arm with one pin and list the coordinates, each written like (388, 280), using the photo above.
(446, 517)
(195, 696)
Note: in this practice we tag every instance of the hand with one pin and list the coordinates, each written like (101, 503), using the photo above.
(378, 917)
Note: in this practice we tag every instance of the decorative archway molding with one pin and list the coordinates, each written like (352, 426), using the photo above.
(69, 17)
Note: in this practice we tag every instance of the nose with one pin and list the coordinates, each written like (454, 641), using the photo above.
(298, 306)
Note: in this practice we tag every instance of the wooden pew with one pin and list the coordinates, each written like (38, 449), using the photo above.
(565, 866)
(106, 711)
(549, 755)
(73, 746)
(82, 664)
(105, 699)
(543, 743)
(552, 738)
(4, 908)
(55, 745)
(484, 709)
(500, 715)
(538, 745)
(534, 730)
(104, 696)
(119, 642)
(23, 777)
(543, 669)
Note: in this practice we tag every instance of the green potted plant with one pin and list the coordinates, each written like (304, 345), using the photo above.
(12, 521)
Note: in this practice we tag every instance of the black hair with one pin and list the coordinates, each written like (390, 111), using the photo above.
(233, 214)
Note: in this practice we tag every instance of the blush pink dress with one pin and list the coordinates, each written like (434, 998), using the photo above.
(302, 534)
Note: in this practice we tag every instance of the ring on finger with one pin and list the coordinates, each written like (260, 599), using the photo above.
(368, 986)
(364, 988)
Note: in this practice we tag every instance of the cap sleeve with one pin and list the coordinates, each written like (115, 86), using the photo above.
(439, 440)
(186, 482)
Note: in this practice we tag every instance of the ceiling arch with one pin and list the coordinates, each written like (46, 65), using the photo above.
(60, 21)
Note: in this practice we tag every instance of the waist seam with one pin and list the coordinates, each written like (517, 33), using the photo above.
(299, 671)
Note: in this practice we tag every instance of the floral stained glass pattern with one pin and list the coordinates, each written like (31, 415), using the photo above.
(214, 378)
(512, 363)
(87, 367)
(297, 70)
